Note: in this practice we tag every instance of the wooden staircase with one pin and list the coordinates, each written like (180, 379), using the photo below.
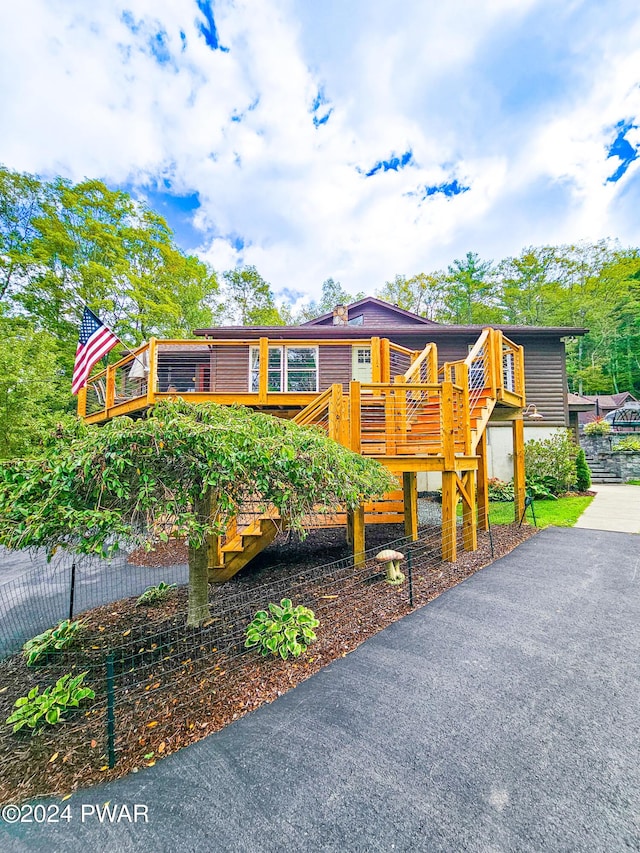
(438, 416)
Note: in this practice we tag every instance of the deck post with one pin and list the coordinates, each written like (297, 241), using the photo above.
(519, 486)
(410, 495)
(263, 370)
(82, 402)
(110, 391)
(385, 360)
(335, 412)
(376, 360)
(153, 372)
(355, 417)
(483, 483)
(449, 501)
(469, 517)
(448, 443)
(355, 534)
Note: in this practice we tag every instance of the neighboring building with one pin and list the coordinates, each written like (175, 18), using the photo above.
(602, 404)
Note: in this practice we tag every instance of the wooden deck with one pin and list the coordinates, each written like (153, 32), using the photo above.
(412, 416)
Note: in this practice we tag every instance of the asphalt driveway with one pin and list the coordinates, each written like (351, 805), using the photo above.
(501, 717)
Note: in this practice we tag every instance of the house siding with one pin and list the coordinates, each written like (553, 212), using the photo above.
(335, 366)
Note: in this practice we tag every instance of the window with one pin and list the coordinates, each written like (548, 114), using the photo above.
(357, 321)
(292, 369)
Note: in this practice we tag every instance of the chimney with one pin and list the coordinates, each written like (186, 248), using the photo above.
(341, 315)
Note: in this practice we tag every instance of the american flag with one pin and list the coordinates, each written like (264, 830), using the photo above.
(95, 341)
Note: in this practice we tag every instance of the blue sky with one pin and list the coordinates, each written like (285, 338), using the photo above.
(328, 139)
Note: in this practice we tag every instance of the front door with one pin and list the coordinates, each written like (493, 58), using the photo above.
(361, 363)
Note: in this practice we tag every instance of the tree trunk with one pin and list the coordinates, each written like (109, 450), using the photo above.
(198, 611)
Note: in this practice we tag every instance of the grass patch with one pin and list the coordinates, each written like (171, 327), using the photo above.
(633, 482)
(561, 513)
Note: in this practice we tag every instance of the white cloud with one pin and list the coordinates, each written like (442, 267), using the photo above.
(83, 95)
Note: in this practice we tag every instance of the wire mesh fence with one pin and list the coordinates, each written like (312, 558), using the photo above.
(159, 683)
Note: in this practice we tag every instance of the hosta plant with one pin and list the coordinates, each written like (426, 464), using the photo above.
(51, 704)
(155, 594)
(53, 640)
(282, 630)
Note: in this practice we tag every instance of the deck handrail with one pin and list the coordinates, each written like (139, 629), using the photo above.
(429, 354)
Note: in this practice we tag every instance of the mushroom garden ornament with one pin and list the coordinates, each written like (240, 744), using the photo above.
(392, 561)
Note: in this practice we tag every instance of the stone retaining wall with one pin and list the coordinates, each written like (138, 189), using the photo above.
(621, 463)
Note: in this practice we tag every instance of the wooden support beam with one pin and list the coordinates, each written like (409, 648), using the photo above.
(152, 378)
(355, 523)
(519, 485)
(410, 496)
(263, 370)
(469, 516)
(355, 426)
(449, 501)
(483, 483)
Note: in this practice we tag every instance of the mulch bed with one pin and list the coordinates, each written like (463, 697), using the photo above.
(174, 685)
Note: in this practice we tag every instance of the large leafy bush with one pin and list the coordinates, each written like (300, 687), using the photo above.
(550, 464)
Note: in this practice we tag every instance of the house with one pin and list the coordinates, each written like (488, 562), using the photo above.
(602, 404)
(437, 405)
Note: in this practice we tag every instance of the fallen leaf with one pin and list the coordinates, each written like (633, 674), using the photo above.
(53, 757)
(152, 724)
(126, 633)
(94, 743)
(162, 747)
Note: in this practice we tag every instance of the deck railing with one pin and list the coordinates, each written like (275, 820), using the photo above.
(420, 412)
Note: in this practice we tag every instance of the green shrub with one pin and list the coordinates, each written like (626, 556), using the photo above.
(583, 474)
(550, 464)
(156, 594)
(283, 630)
(597, 427)
(630, 442)
(53, 640)
(51, 704)
(499, 490)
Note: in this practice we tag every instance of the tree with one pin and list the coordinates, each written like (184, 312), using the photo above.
(471, 292)
(422, 294)
(20, 203)
(31, 394)
(250, 299)
(333, 294)
(526, 288)
(65, 244)
(184, 470)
